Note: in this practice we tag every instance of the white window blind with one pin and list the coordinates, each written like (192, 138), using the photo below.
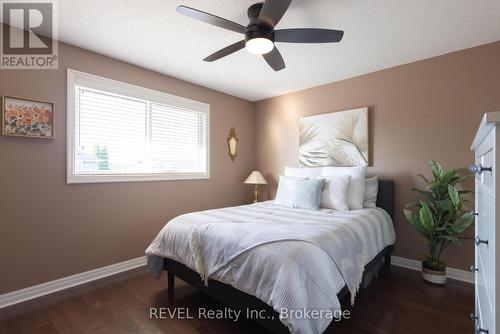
(142, 135)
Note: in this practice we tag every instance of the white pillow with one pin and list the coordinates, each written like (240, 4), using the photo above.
(371, 190)
(283, 194)
(356, 192)
(299, 193)
(334, 194)
(307, 172)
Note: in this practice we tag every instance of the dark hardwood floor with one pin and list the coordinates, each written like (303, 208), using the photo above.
(397, 302)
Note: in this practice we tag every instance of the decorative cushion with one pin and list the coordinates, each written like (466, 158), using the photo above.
(299, 193)
(356, 192)
(335, 192)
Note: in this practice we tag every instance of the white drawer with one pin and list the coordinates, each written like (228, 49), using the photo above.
(484, 308)
(486, 178)
(485, 276)
(485, 253)
(485, 220)
(486, 145)
(485, 156)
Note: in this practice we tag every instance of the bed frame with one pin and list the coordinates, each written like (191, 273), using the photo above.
(239, 300)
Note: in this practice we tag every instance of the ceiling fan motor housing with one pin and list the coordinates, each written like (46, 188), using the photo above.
(253, 29)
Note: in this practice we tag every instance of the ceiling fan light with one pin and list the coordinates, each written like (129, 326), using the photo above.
(259, 45)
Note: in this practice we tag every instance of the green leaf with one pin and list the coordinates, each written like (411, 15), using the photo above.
(450, 238)
(443, 206)
(426, 217)
(450, 176)
(414, 204)
(414, 220)
(453, 180)
(463, 222)
(455, 198)
(409, 215)
(437, 170)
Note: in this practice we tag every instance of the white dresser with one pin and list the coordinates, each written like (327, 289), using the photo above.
(486, 146)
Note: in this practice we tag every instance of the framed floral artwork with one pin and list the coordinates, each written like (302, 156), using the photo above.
(24, 117)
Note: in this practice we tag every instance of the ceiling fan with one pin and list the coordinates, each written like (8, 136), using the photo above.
(260, 34)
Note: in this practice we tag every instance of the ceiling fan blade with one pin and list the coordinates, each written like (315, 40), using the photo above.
(226, 51)
(274, 59)
(308, 35)
(211, 19)
(272, 11)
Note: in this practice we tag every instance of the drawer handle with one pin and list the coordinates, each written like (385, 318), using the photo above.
(479, 241)
(473, 316)
(481, 330)
(473, 269)
(478, 169)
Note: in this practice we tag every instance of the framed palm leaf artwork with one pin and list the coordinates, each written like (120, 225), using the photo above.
(335, 139)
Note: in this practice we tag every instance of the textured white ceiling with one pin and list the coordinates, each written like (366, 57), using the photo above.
(378, 34)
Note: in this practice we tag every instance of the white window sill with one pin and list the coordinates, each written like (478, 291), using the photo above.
(74, 179)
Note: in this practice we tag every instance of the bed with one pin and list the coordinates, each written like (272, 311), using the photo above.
(313, 265)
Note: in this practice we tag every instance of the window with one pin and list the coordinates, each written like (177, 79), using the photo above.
(119, 132)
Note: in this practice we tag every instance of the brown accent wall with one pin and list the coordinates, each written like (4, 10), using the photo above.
(425, 110)
(49, 229)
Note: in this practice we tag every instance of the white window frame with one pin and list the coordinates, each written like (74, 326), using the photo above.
(77, 78)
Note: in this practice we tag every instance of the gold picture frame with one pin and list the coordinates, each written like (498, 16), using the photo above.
(26, 117)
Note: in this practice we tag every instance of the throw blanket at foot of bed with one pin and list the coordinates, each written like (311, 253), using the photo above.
(223, 244)
(217, 243)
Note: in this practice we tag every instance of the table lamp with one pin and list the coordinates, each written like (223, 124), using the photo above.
(255, 178)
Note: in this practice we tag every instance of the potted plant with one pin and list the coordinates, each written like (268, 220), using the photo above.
(439, 217)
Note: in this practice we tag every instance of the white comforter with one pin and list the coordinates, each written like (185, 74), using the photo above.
(299, 270)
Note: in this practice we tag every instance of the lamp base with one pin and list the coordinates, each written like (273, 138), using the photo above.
(256, 193)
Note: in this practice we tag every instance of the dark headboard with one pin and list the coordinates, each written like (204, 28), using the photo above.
(385, 196)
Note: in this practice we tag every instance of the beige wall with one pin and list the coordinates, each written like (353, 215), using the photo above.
(420, 111)
(49, 229)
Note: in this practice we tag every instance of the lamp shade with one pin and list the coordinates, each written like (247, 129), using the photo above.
(255, 178)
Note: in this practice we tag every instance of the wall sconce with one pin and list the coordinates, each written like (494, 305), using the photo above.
(232, 142)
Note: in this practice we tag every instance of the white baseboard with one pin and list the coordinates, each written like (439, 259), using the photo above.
(459, 275)
(43, 289)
